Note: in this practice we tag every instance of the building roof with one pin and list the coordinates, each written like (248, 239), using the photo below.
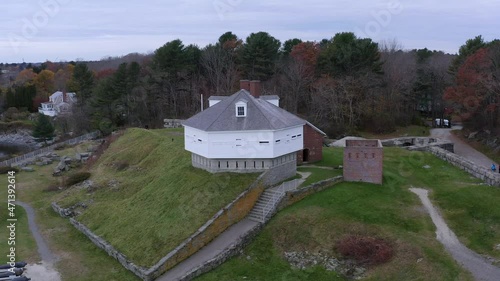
(270, 97)
(217, 97)
(316, 128)
(261, 115)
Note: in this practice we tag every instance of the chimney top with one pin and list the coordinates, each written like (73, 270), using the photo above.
(255, 88)
(245, 85)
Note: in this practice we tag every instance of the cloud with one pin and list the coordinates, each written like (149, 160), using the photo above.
(93, 29)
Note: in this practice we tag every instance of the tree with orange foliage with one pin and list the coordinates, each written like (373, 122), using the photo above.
(44, 83)
(25, 77)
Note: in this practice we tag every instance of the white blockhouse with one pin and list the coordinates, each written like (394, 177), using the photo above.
(244, 132)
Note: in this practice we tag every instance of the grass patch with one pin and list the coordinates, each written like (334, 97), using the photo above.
(332, 157)
(389, 212)
(410, 131)
(78, 258)
(318, 174)
(142, 207)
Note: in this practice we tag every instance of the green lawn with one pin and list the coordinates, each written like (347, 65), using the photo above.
(156, 199)
(389, 212)
(78, 258)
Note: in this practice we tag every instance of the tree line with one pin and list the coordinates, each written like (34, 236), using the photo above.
(343, 84)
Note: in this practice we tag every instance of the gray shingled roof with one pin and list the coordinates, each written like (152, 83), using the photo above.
(261, 115)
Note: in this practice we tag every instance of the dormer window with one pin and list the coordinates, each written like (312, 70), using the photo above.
(241, 108)
(241, 111)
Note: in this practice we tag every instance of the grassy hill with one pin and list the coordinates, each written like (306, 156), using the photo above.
(389, 212)
(148, 198)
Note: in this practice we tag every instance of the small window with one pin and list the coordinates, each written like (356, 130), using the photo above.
(241, 111)
(264, 142)
(278, 141)
(299, 135)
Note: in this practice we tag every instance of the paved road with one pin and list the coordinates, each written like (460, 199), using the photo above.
(480, 268)
(462, 148)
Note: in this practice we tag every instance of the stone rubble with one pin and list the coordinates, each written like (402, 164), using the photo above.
(304, 260)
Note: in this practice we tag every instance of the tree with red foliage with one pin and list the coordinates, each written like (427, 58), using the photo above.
(306, 53)
(476, 96)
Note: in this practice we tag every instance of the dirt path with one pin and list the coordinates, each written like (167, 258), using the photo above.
(480, 268)
(462, 148)
(43, 271)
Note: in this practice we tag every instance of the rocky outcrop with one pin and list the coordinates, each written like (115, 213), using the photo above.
(20, 137)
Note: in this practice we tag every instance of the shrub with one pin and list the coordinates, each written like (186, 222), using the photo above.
(6, 169)
(365, 250)
(76, 178)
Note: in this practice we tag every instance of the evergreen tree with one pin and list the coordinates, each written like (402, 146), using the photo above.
(44, 130)
(259, 56)
(345, 54)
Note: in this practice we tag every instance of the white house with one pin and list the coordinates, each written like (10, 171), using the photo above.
(244, 132)
(59, 103)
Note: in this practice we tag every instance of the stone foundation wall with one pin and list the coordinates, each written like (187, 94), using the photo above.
(280, 173)
(482, 173)
(240, 165)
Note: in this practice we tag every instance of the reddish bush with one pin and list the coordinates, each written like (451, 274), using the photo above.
(365, 250)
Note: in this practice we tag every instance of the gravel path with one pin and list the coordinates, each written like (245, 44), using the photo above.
(462, 148)
(480, 268)
(43, 271)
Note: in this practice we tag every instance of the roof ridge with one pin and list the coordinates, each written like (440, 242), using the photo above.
(222, 111)
(265, 116)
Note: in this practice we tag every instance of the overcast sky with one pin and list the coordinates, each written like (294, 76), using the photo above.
(39, 30)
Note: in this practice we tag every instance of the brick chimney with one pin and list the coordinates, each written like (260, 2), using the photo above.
(255, 88)
(245, 85)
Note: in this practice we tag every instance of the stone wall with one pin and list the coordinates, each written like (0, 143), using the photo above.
(280, 173)
(419, 143)
(482, 173)
(103, 244)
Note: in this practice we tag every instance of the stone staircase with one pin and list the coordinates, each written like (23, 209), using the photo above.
(270, 198)
(266, 203)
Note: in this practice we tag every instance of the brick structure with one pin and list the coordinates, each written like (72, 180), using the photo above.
(313, 145)
(363, 161)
